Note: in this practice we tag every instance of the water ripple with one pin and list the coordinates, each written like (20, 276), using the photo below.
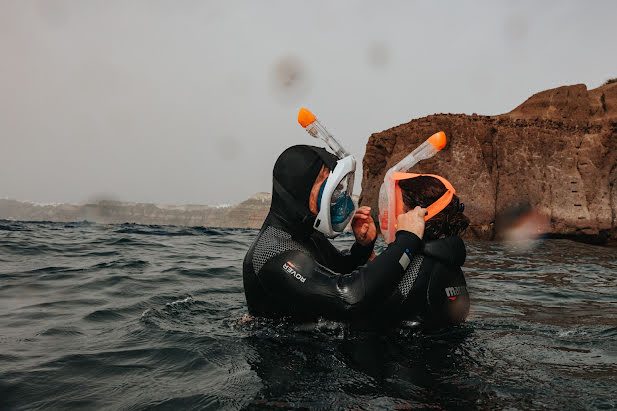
(152, 318)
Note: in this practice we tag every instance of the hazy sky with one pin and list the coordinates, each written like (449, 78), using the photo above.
(191, 101)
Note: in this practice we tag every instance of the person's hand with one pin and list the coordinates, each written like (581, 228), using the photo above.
(363, 226)
(412, 221)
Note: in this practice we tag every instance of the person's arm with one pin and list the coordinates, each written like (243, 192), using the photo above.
(309, 288)
(361, 252)
(345, 263)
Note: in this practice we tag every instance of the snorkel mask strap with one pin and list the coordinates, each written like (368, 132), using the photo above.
(433, 209)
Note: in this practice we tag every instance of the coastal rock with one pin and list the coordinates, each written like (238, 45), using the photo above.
(248, 214)
(556, 152)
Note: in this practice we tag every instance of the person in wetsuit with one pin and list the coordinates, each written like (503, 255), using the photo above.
(291, 270)
(433, 290)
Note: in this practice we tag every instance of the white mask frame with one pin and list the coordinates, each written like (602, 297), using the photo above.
(323, 223)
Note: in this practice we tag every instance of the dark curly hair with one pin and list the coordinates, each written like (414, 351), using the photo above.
(425, 190)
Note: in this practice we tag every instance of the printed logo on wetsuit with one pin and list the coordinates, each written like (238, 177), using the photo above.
(453, 292)
(291, 269)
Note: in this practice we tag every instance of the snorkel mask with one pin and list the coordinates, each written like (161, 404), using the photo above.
(335, 206)
(390, 197)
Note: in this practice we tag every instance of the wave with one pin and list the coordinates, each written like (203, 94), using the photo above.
(149, 316)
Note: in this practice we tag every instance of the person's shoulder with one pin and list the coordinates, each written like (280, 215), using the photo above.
(449, 250)
(274, 234)
(271, 242)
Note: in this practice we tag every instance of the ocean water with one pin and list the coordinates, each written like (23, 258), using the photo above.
(147, 317)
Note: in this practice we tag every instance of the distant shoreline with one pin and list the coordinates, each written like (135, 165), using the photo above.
(248, 214)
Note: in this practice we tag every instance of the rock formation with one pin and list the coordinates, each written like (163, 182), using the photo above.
(556, 152)
(248, 214)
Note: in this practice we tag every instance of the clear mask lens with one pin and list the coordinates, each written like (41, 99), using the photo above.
(341, 191)
(341, 204)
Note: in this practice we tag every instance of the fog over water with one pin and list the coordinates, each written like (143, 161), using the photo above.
(191, 102)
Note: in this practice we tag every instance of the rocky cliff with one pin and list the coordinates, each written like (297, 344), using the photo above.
(556, 152)
(248, 214)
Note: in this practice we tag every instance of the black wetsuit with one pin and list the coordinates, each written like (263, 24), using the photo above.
(433, 290)
(309, 278)
(293, 271)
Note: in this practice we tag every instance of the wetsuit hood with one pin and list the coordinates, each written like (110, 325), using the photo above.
(450, 250)
(293, 177)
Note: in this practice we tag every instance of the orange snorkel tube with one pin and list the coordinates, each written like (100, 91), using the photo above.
(387, 201)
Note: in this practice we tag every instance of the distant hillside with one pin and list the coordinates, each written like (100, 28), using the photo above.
(248, 214)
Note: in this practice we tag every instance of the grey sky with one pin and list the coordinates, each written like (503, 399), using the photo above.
(192, 101)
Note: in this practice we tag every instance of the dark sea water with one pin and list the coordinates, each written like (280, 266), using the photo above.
(146, 317)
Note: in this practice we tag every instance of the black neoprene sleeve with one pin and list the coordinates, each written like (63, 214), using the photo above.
(311, 289)
(344, 263)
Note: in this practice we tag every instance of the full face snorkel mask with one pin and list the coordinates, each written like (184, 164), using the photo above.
(390, 201)
(335, 206)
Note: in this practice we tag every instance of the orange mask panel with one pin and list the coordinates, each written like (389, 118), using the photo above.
(434, 208)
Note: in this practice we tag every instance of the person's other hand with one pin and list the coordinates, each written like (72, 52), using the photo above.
(363, 226)
(412, 221)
